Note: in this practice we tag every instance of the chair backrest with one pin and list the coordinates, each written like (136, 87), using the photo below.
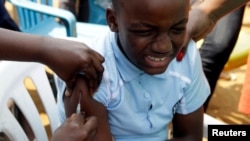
(97, 13)
(40, 17)
(29, 19)
(12, 88)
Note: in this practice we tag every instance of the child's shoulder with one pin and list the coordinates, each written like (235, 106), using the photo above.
(192, 52)
(192, 47)
(190, 60)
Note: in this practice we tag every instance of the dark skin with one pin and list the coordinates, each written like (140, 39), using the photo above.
(145, 37)
(66, 58)
(90, 106)
(205, 14)
(150, 34)
(79, 127)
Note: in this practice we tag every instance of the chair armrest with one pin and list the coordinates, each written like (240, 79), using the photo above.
(67, 17)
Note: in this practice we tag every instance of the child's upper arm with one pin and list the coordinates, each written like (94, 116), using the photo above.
(190, 126)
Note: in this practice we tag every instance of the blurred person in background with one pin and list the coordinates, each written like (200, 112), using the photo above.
(5, 19)
(92, 11)
(218, 46)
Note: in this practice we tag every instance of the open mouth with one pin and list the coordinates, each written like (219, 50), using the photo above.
(156, 59)
(158, 62)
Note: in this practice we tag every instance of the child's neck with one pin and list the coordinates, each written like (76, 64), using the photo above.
(119, 43)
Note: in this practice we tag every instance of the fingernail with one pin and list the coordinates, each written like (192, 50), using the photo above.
(180, 56)
(67, 93)
(82, 113)
(73, 115)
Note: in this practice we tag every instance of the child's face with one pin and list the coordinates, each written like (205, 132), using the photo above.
(150, 32)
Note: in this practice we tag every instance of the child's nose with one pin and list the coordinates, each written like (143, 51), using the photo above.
(162, 44)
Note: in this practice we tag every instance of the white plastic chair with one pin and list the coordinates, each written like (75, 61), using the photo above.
(12, 87)
(209, 120)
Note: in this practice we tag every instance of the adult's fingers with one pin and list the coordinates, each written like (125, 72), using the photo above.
(94, 75)
(85, 128)
(79, 94)
(99, 56)
(71, 102)
(89, 129)
(91, 123)
(93, 68)
(99, 67)
(82, 85)
(79, 117)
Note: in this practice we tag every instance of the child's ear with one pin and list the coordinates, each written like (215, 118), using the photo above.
(111, 19)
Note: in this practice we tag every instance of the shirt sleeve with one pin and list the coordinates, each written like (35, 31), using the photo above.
(60, 86)
(110, 92)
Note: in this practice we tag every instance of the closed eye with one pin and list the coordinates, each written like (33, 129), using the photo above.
(143, 32)
(178, 30)
(179, 27)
